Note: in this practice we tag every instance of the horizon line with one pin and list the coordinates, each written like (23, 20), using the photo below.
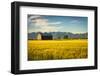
(59, 31)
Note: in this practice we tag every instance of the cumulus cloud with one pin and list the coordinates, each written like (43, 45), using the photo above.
(56, 23)
(40, 24)
(34, 17)
(74, 21)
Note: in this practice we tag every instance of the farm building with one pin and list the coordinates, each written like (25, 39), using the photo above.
(47, 36)
(43, 36)
(55, 36)
(39, 36)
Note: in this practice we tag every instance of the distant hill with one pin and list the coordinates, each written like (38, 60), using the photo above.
(60, 35)
(32, 35)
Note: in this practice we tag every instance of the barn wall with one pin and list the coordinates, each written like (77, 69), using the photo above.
(47, 37)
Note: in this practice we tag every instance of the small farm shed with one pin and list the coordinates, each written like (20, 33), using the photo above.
(39, 36)
(44, 36)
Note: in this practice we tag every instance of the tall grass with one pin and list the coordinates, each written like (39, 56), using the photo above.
(57, 49)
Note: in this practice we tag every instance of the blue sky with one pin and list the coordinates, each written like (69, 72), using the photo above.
(50, 23)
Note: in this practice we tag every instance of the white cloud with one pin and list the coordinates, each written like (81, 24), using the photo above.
(55, 23)
(74, 21)
(34, 17)
(42, 25)
(40, 22)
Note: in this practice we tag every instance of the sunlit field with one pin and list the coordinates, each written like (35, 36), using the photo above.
(57, 49)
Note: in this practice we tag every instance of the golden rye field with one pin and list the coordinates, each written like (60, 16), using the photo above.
(57, 49)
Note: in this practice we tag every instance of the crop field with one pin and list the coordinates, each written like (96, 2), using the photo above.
(57, 49)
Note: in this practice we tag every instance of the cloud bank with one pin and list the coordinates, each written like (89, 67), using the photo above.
(40, 24)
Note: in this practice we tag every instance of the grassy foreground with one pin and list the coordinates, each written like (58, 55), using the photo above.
(57, 49)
